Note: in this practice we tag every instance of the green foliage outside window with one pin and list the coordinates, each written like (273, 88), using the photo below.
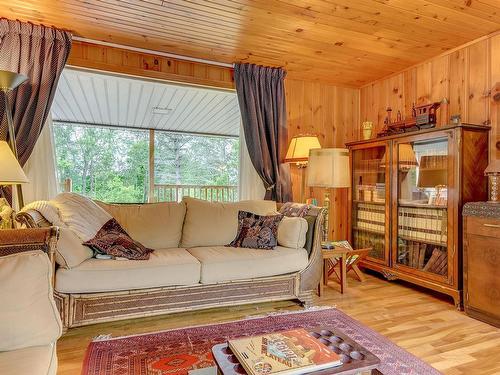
(111, 164)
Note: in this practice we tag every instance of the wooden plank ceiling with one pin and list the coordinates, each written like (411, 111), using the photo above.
(348, 42)
(109, 100)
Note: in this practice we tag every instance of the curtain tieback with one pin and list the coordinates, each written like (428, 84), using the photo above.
(270, 187)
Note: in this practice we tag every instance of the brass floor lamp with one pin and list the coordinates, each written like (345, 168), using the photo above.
(8, 82)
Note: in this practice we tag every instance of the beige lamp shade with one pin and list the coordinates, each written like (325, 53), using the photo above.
(300, 145)
(10, 80)
(406, 157)
(329, 168)
(11, 172)
(493, 167)
(433, 171)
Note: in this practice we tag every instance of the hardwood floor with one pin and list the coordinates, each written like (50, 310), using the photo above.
(424, 323)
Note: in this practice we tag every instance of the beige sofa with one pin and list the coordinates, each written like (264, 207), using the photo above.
(190, 267)
(29, 321)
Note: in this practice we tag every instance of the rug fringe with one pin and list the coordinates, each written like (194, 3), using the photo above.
(102, 338)
(290, 312)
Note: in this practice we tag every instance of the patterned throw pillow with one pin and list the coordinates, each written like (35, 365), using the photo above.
(293, 209)
(257, 232)
(112, 239)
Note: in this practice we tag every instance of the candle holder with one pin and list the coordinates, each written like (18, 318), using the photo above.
(493, 173)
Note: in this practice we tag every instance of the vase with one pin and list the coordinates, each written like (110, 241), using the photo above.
(367, 129)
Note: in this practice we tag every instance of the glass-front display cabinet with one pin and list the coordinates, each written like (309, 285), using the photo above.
(421, 217)
(406, 200)
(370, 178)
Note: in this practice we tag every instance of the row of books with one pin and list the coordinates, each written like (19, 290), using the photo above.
(422, 223)
(371, 193)
(370, 216)
(374, 240)
(423, 256)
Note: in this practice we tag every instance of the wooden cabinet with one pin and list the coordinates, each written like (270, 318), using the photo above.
(406, 201)
(482, 261)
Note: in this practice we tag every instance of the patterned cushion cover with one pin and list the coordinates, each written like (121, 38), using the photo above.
(294, 209)
(112, 239)
(257, 232)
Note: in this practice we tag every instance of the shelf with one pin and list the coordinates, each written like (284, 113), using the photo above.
(370, 202)
(369, 231)
(423, 205)
(429, 242)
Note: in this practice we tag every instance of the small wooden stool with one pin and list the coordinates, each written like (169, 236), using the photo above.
(346, 260)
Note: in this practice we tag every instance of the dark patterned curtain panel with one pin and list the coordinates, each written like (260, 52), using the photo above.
(261, 97)
(40, 53)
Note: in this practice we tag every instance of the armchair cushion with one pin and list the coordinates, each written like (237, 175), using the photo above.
(36, 360)
(28, 316)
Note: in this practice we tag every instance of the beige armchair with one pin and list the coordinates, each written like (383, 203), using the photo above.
(29, 321)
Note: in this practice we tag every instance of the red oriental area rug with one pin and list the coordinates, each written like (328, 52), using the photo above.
(177, 351)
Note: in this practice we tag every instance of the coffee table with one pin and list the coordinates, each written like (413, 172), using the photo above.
(355, 358)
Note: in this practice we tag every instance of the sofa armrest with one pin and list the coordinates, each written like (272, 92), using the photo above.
(32, 219)
(20, 240)
(311, 275)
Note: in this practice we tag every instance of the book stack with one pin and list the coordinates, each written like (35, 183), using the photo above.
(379, 195)
(412, 254)
(422, 223)
(284, 353)
(374, 240)
(438, 262)
(371, 217)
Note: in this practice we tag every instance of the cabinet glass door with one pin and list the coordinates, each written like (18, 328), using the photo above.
(369, 196)
(422, 206)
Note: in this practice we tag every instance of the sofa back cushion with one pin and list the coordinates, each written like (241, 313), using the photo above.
(216, 223)
(292, 232)
(69, 250)
(155, 225)
(28, 316)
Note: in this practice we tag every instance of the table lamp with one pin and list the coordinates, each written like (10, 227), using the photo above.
(298, 153)
(8, 82)
(493, 172)
(11, 172)
(433, 174)
(329, 168)
(406, 158)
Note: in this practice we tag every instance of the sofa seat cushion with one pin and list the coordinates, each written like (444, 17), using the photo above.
(221, 263)
(165, 267)
(39, 360)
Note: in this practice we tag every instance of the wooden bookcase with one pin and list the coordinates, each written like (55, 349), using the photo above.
(406, 202)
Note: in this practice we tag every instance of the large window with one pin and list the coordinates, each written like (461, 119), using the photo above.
(112, 164)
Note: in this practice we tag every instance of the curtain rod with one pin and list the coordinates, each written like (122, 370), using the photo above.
(149, 51)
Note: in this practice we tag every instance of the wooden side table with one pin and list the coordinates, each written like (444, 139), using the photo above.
(347, 260)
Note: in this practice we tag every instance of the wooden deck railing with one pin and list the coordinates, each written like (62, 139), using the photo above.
(174, 193)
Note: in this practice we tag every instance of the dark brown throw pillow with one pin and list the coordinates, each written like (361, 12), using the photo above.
(112, 239)
(257, 232)
(293, 209)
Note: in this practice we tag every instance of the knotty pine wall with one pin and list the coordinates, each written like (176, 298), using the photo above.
(331, 113)
(464, 76)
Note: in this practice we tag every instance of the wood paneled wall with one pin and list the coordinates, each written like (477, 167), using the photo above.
(331, 113)
(464, 77)
(125, 61)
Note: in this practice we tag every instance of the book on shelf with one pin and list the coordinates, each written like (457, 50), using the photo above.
(370, 217)
(422, 223)
(285, 353)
